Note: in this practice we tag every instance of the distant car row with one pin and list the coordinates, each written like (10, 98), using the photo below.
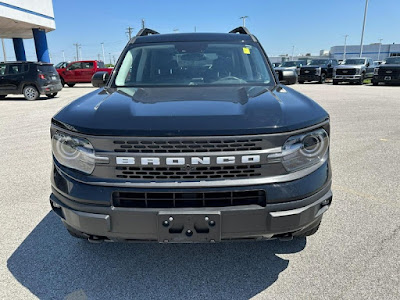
(352, 70)
(33, 79)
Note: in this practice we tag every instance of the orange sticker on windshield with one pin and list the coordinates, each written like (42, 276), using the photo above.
(246, 50)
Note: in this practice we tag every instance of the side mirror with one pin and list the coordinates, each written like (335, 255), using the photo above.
(329, 65)
(99, 79)
(367, 64)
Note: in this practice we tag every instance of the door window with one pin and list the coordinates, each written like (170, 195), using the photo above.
(2, 69)
(15, 69)
(74, 66)
(87, 65)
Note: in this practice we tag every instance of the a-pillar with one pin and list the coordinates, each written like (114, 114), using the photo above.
(19, 49)
(42, 50)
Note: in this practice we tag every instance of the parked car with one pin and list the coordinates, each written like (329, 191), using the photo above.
(277, 64)
(354, 70)
(317, 70)
(81, 71)
(192, 139)
(62, 65)
(30, 79)
(388, 72)
(289, 70)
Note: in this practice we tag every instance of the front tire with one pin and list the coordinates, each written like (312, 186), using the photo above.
(3, 97)
(62, 82)
(301, 82)
(51, 95)
(335, 82)
(361, 81)
(375, 83)
(30, 93)
(322, 79)
(71, 84)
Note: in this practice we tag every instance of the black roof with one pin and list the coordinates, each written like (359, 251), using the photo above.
(180, 37)
(26, 62)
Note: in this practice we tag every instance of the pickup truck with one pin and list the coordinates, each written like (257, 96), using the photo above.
(194, 141)
(81, 71)
(354, 70)
(317, 70)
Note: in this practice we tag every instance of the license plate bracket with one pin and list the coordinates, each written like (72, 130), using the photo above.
(189, 227)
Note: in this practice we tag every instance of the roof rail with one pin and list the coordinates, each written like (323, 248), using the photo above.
(146, 31)
(240, 30)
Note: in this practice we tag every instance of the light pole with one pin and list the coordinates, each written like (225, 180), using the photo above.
(363, 28)
(80, 52)
(244, 20)
(4, 49)
(380, 44)
(77, 45)
(110, 58)
(344, 50)
(104, 57)
(292, 52)
(63, 55)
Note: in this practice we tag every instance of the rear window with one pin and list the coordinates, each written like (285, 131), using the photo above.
(100, 64)
(194, 63)
(46, 69)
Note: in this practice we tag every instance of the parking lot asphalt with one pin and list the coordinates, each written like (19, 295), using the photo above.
(355, 254)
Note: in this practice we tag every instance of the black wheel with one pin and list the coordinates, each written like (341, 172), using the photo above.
(71, 84)
(62, 82)
(30, 93)
(361, 81)
(301, 82)
(310, 231)
(322, 78)
(51, 95)
(375, 83)
(3, 97)
(335, 82)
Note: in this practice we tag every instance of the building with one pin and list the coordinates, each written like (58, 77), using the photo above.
(375, 51)
(21, 19)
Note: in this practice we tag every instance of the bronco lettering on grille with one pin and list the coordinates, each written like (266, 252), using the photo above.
(179, 161)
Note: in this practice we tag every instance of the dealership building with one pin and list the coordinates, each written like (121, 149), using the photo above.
(374, 51)
(21, 19)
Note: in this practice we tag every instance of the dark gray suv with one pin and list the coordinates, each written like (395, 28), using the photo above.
(30, 79)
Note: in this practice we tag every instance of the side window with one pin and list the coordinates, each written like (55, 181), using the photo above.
(87, 65)
(74, 66)
(2, 69)
(15, 69)
(100, 64)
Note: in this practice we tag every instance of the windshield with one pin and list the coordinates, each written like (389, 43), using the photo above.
(318, 62)
(193, 63)
(354, 61)
(393, 60)
(289, 64)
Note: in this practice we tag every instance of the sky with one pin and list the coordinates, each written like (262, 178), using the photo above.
(308, 25)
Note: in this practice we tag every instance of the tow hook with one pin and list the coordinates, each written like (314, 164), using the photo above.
(286, 237)
(95, 239)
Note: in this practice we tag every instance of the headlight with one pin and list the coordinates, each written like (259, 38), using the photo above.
(73, 152)
(376, 71)
(358, 71)
(302, 151)
(334, 72)
(318, 71)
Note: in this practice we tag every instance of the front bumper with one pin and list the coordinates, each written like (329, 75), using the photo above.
(51, 88)
(347, 78)
(283, 216)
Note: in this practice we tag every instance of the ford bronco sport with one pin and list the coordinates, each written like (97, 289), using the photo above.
(191, 139)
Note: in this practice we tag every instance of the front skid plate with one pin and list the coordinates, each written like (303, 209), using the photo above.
(190, 227)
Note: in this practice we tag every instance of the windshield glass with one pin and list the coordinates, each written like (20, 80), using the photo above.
(393, 60)
(318, 62)
(354, 61)
(289, 64)
(193, 63)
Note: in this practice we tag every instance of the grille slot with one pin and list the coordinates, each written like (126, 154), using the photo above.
(187, 146)
(394, 72)
(310, 71)
(196, 199)
(195, 173)
(345, 71)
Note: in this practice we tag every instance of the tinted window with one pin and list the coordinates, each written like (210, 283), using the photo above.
(100, 64)
(354, 61)
(2, 69)
(318, 62)
(393, 60)
(15, 69)
(87, 65)
(46, 69)
(193, 63)
(74, 66)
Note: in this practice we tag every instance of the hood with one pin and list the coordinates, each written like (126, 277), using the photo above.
(181, 111)
(349, 66)
(285, 68)
(391, 66)
(314, 66)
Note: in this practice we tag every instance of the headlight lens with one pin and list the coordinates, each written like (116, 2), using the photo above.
(302, 151)
(358, 71)
(376, 70)
(73, 152)
(318, 71)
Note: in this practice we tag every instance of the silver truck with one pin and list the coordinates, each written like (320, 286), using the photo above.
(354, 70)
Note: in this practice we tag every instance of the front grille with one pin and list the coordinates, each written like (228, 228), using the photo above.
(187, 146)
(307, 71)
(197, 199)
(194, 173)
(392, 72)
(345, 71)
